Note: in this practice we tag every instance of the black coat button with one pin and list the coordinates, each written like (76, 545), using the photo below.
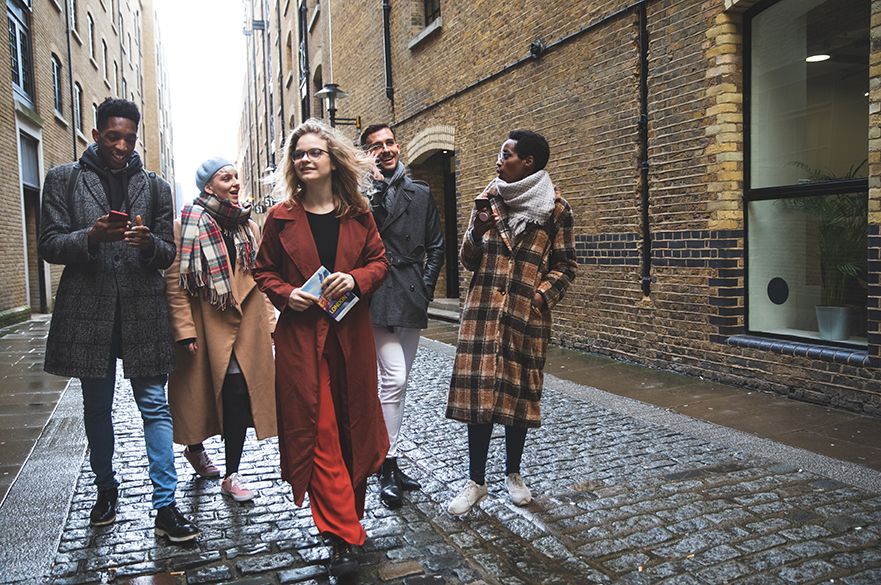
(407, 237)
(412, 288)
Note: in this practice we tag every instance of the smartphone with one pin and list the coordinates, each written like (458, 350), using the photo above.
(484, 208)
(118, 216)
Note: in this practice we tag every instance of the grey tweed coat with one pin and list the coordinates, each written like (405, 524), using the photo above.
(79, 343)
(498, 373)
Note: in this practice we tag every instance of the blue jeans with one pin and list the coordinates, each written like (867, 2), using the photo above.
(97, 414)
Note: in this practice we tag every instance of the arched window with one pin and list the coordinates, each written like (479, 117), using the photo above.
(78, 106)
(57, 84)
(90, 32)
(104, 58)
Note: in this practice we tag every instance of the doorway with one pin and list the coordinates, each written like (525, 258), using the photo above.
(35, 268)
(438, 170)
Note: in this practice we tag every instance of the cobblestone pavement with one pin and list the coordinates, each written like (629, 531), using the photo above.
(617, 500)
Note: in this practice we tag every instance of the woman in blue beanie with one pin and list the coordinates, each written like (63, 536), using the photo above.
(224, 376)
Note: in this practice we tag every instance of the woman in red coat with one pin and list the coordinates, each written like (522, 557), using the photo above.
(330, 426)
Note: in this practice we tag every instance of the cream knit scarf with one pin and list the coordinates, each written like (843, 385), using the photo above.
(529, 200)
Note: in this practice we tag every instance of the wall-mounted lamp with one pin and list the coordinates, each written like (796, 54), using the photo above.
(330, 93)
(818, 58)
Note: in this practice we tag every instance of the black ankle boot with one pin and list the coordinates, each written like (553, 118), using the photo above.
(407, 483)
(389, 488)
(173, 525)
(342, 558)
(104, 510)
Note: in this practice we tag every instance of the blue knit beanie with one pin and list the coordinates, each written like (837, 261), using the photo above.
(208, 169)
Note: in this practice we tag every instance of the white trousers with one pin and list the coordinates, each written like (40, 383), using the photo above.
(395, 351)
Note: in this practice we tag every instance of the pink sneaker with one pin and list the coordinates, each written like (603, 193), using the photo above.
(232, 486)
(202, 463)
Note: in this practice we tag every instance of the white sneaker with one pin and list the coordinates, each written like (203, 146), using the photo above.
(236, 489)
(470, 495)
(520, 494)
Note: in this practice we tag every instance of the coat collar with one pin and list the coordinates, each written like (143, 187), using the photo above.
(96, 189)
(299, 244)
(402, 203)
(502, 225)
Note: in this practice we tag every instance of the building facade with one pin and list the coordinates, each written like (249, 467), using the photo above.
(66, 56)
(723, 159)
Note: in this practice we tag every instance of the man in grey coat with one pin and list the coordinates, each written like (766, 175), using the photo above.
(408, 223)
(109, 222)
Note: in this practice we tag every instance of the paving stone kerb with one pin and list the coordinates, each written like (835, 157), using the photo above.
(619, 498)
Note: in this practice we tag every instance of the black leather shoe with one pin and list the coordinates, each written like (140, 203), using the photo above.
(104, 510)
(342, 559)
(389, 488)
(407, 483)
(173, 525)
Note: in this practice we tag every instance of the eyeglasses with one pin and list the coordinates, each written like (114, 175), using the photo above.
(312, 153)
(379, 145)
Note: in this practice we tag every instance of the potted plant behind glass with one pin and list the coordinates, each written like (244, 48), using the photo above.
(842, 239)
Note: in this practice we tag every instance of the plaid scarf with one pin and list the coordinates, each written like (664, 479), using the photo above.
(204, 262)
(529, 200)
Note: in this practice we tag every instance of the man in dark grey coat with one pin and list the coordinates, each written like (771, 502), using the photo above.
(408, 223)
(109, 222)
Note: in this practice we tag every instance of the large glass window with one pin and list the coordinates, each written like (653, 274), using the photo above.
(806, 196)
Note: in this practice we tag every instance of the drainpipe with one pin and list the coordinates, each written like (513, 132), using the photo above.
(280, 74)
(646, 280)
(387, 42)
(70, 79)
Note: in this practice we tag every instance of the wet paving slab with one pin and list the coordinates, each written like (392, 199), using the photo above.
(618, 498)
(28, 396)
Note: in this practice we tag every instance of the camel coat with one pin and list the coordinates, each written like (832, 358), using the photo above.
(287, 258)
(194, 387)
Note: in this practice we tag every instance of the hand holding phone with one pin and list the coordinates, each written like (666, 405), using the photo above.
(118, 216)
(108, 228)
(484, 209)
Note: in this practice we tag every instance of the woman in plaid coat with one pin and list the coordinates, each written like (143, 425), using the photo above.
(521, 249)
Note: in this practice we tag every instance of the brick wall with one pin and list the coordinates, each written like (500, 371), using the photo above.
(472, 74)
(59, 141)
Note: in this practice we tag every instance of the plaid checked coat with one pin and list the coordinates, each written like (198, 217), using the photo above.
(503, 340)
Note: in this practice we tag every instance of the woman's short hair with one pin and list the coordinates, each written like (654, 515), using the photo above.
(348, 180)
(531, 143)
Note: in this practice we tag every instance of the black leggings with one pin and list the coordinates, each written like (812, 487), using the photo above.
(236, 420)
(478, 447)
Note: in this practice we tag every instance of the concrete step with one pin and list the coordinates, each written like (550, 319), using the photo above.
(444, 310)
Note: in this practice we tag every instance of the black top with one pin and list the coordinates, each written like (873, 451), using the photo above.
(326, 232)
(230, 242)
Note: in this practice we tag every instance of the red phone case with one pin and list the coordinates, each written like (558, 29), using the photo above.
(118, 215)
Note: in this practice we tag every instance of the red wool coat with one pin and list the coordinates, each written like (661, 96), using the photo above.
(286, 259)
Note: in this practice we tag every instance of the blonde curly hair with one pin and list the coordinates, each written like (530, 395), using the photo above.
(349, 180)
